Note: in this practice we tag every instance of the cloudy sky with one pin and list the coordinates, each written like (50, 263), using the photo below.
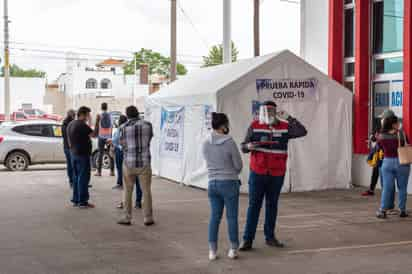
(41, 31)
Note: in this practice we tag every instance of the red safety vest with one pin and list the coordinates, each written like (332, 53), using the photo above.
(270, 160)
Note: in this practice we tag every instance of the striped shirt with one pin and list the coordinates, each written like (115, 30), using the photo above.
(135, 138)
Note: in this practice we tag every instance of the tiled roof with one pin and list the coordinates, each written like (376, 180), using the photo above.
(112, 62)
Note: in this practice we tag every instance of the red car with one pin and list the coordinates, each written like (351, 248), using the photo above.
(35, 113)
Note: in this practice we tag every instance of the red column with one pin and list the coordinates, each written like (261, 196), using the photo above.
(407, 68)
(335, 53)
(362, 76)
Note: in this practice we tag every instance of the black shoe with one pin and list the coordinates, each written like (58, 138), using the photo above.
(124, 222)
(404, 214)
(138, 206)
(149, 223)
(117, 187)
(275, 243)
(245, 246)
(381, 214)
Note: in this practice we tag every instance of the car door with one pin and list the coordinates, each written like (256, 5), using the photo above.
(40, 141)
(58, 144)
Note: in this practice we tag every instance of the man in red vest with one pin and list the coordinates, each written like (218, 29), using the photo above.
(267, 141)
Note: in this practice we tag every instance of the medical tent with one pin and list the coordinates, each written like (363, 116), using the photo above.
(181, 114)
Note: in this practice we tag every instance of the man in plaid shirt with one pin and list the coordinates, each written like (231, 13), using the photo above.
(135, 137)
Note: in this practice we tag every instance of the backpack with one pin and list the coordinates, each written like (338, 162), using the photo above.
(105, 127)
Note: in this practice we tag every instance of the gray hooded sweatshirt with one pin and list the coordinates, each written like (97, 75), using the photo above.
(222, 157)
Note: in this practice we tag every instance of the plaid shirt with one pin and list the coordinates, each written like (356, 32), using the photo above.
(135, 137)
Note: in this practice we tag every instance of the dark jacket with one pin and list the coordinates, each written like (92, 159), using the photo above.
(66, 122)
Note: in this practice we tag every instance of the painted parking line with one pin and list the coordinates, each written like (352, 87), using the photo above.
(352, 247)
(182, 201)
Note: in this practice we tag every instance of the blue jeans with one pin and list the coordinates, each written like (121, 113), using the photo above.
(119, 167)
(391, 200)
(268, 187)
(224, 193)
(392, 170)
(69, 165)
(82, 168)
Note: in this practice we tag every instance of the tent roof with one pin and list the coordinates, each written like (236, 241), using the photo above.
(209, 81)
(212, 79)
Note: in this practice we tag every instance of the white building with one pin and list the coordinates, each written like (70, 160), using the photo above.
(89, 84)
(24, 91)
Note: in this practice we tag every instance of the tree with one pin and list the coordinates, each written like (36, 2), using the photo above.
(16, 71)
(215, 56)
(158, 64)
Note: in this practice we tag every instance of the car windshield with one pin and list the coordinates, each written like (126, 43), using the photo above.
(30, 111)
(40, 112)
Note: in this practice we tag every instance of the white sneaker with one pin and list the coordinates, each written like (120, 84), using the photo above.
(212, 255)
(233, 254)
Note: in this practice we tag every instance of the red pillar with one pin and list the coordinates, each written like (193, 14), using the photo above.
(362, 76)
(407, 68)
(335, 53)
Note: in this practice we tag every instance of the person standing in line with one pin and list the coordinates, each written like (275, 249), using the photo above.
(376, 169)
(267, 141)
(79, 135)
(135, 138)
(119, 164)
(390, 139)
(224, 165)
(71, 115)
(103, 130)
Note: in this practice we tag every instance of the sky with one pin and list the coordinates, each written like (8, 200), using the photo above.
(42, 31)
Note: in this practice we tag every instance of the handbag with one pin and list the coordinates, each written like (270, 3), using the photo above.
(404, 152)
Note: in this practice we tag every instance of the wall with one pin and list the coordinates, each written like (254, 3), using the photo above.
(24, 90)
(55, 100)
(314, 33)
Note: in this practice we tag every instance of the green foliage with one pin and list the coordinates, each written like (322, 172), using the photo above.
(215, 56)
(16, 71)
(158, 64)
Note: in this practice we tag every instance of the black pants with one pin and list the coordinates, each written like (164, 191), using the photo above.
(374, 178)
(101, 144)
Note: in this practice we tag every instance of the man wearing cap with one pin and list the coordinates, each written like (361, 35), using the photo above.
(267, 141)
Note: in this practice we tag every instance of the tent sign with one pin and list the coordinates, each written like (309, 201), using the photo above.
(287, 90)
(172, 130)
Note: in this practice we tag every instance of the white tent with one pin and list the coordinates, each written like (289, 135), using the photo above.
(321, 160)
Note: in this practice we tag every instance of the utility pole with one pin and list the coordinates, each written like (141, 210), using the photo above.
(6, 62)
(256, 26)
(173, 47)
(227, 40)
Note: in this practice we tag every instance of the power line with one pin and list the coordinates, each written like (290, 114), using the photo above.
(189, 19)
(74, 48)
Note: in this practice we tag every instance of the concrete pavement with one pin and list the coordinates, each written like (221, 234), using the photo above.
(326, 232)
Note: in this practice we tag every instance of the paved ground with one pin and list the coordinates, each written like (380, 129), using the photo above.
(326, 232)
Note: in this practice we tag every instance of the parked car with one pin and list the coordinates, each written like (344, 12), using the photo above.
(34, 113)
(27, 143)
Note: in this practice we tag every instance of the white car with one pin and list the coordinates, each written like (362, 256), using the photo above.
(35, 142)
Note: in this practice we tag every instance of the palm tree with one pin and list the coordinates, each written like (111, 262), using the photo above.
(215, 56)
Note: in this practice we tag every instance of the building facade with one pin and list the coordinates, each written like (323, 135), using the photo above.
(365, 45)
(85, 83)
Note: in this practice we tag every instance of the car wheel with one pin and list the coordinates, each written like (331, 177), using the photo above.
(17, 161)
(105, 162)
